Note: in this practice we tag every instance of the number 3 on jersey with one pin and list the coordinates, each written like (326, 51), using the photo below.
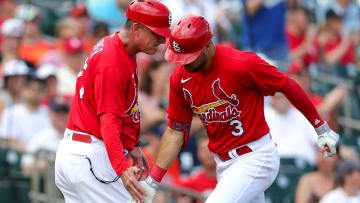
(238, 128)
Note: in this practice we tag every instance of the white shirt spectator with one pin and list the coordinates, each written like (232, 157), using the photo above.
(179, 8)
(338, 195)
(294, 135)
(66, 81)
(48, 139)
(21, 124)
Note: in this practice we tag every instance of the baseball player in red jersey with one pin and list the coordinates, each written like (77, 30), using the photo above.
(225, 88)
(103, 126)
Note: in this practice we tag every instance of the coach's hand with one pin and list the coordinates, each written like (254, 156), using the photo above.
(150, 186)
(327, 137)
(131, 184)
(141, 161)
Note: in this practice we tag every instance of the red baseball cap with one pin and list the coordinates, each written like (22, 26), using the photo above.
(188, 37)
(152, 14)
(73, 45)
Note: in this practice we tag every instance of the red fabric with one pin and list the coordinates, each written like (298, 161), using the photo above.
(228, 97)
(81, 138)
(199, 182)
(240, 151)
(157, 173)
(108, 84)
(295, 41)
(297, 96)
(111, 127)
(33, 53)
(348, 57)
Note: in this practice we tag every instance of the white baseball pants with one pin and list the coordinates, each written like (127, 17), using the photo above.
(243, 179)
(74, 178)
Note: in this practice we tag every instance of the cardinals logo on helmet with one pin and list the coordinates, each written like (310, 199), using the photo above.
(176, 47)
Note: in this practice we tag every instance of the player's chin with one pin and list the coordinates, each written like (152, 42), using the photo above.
(151, 50)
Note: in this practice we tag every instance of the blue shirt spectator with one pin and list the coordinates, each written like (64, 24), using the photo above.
(264, 28)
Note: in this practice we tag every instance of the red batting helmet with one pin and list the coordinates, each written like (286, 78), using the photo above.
(189, 35)
(151, 13)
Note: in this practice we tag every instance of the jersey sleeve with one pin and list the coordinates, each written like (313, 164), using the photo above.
(178, 110)
(265, 77)
(110, 90)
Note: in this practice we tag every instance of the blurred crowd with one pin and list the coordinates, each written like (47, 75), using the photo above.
(43, 46)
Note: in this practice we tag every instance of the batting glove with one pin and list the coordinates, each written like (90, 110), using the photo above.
(327, 137)
(150, 187)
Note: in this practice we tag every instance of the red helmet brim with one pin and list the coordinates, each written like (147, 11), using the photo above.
(180, 58)
(162, 31)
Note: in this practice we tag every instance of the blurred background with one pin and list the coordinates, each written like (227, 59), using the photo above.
(43, 44)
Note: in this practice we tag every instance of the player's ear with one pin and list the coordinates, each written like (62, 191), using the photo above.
(207, 47)
(135, 28)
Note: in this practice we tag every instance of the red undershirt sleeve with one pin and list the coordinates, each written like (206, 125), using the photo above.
(110, 127)
(297, 96)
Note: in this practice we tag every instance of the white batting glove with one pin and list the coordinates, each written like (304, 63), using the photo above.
(327, 137)
(150, 187)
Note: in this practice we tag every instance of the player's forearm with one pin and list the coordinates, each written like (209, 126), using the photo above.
(297, 96)
(110, 127)
(171, 144)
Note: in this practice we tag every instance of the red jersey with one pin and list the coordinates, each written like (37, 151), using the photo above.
(199, 182)
(295, 41)
(107, 82)
(228, 97)
(348, 57)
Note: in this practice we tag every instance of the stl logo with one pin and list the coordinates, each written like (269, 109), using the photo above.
(176, 47)
(170, 19)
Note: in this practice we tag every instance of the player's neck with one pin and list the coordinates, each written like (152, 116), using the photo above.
(124, 37)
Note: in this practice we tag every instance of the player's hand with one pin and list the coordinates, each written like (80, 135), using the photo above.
(131, 184)
(150, 186)
(327, 137)
(141, 161)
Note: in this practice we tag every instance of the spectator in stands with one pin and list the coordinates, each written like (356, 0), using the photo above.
(15, 73)
(263, 30)
(48, 139)
(337, 48)
(21, 122)
(180, 8)
(74, 57)
(98, 31)
(348, 180)
(48, 73)
(65, 29)
(314, 185)
(297, 140)
(12, 31)
(153, 94)
(349, 9)
(34, 45)
(7, 10)
(300, 35)
(204, 180)
(79, 13)
(325, 105)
